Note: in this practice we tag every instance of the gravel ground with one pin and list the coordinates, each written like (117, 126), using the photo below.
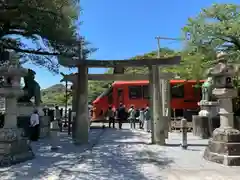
(121, 155)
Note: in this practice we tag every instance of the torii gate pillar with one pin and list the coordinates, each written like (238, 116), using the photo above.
(158, 122)
(81, 121)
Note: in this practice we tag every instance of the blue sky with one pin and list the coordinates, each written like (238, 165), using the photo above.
(125, 28)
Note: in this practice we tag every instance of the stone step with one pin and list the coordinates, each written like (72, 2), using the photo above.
(228, 160)
(229, 148)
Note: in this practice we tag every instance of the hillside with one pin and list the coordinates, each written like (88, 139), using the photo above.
(54, 95)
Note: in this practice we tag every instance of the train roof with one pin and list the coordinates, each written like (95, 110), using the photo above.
(145, 81)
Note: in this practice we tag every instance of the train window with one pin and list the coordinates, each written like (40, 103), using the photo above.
(146, 92)
(135, 92)
(177, 90)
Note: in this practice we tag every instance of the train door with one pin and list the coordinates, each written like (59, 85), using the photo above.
(120, 96)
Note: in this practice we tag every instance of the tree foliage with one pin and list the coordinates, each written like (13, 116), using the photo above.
(50, 25)
(216, 28)
(95, 88)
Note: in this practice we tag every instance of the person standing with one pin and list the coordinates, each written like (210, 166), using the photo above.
(121, 115)
(141, 118)
(110, 117)
(34, 126)
(61, 112)
(137, 113)
(147, 117)
(58, 117)
(51, 114)
(131, 113)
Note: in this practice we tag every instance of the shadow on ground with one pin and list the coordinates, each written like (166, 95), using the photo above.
(112, 154)
(119, 156)
(46, 160)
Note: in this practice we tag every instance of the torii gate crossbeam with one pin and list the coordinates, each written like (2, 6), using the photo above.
(123, 63)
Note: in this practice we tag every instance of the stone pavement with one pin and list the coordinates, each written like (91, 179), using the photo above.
(47, 162)
(120, 155)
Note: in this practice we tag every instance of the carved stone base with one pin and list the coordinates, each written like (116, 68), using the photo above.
(224, 147)
(13, 147)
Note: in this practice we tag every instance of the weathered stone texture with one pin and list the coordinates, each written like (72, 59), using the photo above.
(14, 148)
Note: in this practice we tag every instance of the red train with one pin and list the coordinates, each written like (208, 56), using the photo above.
(184, 96)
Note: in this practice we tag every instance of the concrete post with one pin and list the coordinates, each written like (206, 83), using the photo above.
(54, 134)
(81, 122)
(184, 128)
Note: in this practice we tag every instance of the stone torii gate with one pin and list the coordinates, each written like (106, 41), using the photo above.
(80, 85)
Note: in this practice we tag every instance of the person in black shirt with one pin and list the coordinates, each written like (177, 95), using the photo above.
(121, 115)
(110, 116)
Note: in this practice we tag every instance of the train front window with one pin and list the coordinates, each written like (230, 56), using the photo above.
(177, 90)
(108, 93)
(135, 92)
(146, 92)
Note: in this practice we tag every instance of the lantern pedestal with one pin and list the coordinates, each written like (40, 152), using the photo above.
(224, 147)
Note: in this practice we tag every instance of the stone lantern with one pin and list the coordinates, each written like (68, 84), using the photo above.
(224, 147)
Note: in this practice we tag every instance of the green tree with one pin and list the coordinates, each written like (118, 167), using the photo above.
(50, 25)
(191, 66)
(61, 99)
(95, 88)
(216, 28)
